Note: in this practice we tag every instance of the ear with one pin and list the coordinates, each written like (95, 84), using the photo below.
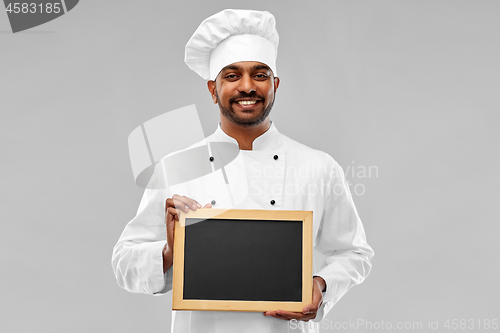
(211, 88)
(276, 83)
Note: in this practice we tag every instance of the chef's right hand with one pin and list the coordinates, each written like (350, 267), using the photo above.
(171, 215)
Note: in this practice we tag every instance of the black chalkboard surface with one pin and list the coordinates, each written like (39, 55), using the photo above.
(243, 260)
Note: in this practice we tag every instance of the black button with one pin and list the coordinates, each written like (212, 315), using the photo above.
(211, 158)
(273, 202)
(275, 157)
(213, 202)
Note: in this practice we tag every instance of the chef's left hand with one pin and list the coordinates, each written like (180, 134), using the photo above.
(310, 310)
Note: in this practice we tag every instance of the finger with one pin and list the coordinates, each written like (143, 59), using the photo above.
(316, 301)
(171, 202)
(310, 308)
(278, 317)
(274, 315)
(287, 315)
(175, 203)
(172, 214)
(208, 205)
(181, 205)
(183, 200)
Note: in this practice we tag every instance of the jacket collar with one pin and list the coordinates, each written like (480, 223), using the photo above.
(267, 141)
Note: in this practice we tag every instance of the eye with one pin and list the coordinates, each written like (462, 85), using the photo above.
(231, 76)
(261, 76)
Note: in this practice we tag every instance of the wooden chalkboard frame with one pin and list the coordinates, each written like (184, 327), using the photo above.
(178, 301)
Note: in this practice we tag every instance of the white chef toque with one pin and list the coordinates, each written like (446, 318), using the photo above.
(230, 36)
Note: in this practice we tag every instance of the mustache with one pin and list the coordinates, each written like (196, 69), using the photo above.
(243, 94)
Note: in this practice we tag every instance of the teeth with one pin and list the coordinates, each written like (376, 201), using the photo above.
(246, 102)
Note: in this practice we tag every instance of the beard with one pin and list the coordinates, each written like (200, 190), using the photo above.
(245, 121)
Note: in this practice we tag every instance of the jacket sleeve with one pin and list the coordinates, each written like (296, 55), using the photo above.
(341, 238)
(137, 256)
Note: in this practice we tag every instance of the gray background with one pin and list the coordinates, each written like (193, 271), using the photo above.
(411, 87)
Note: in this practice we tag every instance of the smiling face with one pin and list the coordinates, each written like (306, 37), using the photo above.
(245, 92)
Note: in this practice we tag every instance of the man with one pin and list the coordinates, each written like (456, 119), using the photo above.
(235, 50)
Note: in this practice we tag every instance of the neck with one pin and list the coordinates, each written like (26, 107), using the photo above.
(244, 135)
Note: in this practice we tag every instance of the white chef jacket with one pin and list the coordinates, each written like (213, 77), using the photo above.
(278, 169)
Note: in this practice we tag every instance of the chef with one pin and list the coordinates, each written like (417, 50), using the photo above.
(236, 51)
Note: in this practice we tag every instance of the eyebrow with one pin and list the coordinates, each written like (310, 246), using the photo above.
(257, 67)
(236, 68)
(233, 67)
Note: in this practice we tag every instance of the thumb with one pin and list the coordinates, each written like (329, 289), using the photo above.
(317, 298)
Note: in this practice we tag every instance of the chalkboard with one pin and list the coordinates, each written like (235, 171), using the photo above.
(242, 260)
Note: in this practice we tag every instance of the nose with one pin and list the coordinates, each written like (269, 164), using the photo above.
(246, 84)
